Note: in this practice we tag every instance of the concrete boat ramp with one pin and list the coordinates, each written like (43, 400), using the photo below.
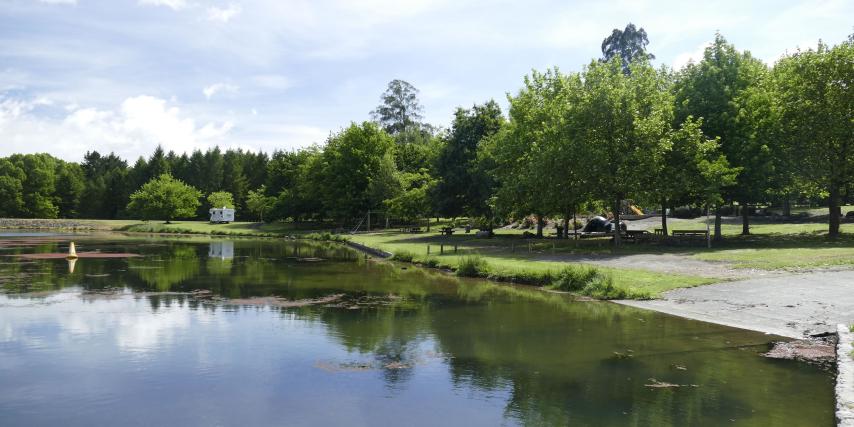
(790, 305)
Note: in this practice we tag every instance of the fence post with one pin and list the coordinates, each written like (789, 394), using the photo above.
(441, 249)
(455, 248)
(428, 249)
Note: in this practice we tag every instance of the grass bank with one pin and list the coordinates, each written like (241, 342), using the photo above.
(495, 260)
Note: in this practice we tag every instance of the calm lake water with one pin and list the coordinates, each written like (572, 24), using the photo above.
(127, 342)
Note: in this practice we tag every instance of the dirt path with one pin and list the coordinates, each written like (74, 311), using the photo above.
(790, 305)
(665, 263)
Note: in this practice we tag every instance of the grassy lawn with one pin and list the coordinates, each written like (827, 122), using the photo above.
(509, 256)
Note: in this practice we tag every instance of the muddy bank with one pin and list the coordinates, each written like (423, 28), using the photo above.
(819, 351)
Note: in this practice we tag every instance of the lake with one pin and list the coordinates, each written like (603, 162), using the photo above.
(212, 331)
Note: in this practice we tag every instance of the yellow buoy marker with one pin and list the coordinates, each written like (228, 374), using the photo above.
(72, 252)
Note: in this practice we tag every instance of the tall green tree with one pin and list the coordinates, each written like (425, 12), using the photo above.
(625, 119)
(11, 189)
(220, 199)
(399, 109)
(629, 45)
(259, 203)
(164, 198)
(692, 169)
(70, 185)
(458, 191)
(354, 168)
(722, 88)
(816, 93)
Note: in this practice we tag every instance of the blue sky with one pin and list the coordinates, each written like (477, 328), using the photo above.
(125, 75)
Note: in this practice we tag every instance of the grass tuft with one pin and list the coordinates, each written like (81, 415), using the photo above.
(472, 266)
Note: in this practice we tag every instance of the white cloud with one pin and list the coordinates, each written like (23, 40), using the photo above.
(173, 4)
(273, 81)
(694, 56)
(223, 14)
(131, 130)
(210, 91)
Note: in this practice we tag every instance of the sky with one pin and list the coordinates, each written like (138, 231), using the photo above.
(126, 75)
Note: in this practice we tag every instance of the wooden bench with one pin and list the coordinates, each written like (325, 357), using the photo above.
(446, 231)
(690, 233)
(410, 229)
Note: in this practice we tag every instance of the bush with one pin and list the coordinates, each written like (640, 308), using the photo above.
(325, 236)
(431, 262)
(575, 278)
(404, 256)
(473, 266)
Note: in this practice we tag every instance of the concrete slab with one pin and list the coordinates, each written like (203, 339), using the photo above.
(794, 305)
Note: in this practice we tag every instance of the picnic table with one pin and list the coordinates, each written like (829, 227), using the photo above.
(690, 233)
(410, 229)
(446, 231)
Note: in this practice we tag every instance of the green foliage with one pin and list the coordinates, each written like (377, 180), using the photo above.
(472, 266)
(462, 188)
(164, 198)
(403, 256)
(399, 110)
(220, 199)
(628, 45)
(815, 91)
(325, 236)
(259, 203)
(355, 172)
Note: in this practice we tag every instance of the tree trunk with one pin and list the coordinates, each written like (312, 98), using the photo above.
(835, 211)
(664, 217)
(718, 236)
(540, 223)
(616, 227)
(565, 226)
(787, 207)
(574, 221)
(745, 220)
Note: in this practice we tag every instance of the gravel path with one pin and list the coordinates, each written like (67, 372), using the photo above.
(790, 305)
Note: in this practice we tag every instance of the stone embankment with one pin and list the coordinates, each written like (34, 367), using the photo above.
(845, 377)
(51, 224)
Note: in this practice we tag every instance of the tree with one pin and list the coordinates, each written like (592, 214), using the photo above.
(259, 203)
(11, 189)
(165, 198)
(39, 186)
(353, 170)
(625, 120)
(816, 89)
(414, 201)
(221, 199)
(692, 170)
(723, 89)
(70, 184)
(629, 45)
(399, 109)
(457, 191)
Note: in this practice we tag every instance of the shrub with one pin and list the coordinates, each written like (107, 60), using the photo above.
(325, 236)
(404, 256)
(473, 266)
(431, 262)
(575, 278)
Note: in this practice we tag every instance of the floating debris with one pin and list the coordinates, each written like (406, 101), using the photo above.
(282, 302)
(654, 383)
(821, 351)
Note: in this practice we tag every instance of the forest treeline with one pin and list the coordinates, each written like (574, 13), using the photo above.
(726, 130)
